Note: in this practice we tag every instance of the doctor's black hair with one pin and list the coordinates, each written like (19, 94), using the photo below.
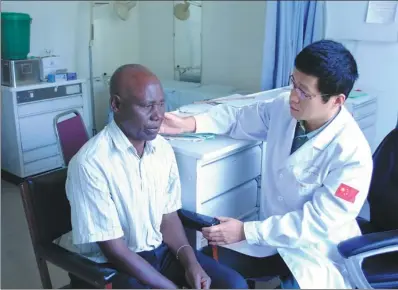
(333, 65)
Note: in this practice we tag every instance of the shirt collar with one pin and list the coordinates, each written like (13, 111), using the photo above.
(313, 133)
(122, 142)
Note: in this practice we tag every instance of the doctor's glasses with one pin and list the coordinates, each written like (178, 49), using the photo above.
(302, 95)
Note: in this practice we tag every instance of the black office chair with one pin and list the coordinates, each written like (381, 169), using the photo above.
(372, 259)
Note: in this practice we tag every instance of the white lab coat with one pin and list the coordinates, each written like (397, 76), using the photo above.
(305, 219)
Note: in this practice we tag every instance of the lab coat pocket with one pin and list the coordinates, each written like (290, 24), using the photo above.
(308, 179)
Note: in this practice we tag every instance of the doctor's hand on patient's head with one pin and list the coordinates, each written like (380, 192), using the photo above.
(229, 231)
(173, 124)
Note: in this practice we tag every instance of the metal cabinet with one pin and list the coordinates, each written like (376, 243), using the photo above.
(364, 111)
(220, 177)
(29, 144)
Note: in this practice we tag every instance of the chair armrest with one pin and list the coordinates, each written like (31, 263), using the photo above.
(355, 250)
(370, 243)
(193, 220)
(77, 265)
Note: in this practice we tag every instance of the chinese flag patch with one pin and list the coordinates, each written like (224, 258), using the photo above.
(346, 192)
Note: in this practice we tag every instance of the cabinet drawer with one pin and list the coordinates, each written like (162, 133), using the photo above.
(38, 130)
(42, 165)
(364, 110)
(367, 120)
(64, 103)
(40, 153)
(361, 106)
(222, 175)
(234, 203)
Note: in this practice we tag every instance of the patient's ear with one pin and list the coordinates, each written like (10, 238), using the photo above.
(115, 103)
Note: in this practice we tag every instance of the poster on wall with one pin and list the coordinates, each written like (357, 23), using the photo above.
(382, 12)
(361, 20)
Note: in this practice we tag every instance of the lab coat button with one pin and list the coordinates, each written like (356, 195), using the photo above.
(281, 175)
(280, 198)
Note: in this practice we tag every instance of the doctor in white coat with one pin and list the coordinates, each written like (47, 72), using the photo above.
(318, 168)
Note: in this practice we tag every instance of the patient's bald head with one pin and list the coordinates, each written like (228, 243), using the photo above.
(137, 101)
(130, 78)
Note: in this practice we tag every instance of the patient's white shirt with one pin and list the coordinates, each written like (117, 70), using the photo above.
(114, 193)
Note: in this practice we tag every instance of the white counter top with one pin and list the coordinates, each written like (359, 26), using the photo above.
(213, 149)
(42, 85)
(217, 148)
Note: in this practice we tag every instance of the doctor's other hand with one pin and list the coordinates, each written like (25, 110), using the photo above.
(173, 124)
(229, 231)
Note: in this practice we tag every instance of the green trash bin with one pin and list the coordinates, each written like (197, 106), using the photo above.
(15, 35)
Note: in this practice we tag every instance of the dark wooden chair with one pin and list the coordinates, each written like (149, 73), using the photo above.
(47, 212)
(48, 215)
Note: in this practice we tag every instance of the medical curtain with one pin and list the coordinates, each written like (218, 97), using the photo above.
(289, 27)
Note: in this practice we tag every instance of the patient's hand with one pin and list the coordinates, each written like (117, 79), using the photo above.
(229, 231)
(197, 277)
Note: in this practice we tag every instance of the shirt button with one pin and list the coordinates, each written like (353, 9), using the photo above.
(280, 198)
(281, 175)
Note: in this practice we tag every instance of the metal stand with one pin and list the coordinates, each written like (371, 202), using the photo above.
(90, 58)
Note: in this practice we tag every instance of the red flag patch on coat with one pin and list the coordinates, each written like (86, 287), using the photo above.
(346, 192)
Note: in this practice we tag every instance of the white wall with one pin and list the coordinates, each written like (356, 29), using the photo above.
(233, 38)
(377, 65)
(156, 37)
(116, 42)
(230, 55)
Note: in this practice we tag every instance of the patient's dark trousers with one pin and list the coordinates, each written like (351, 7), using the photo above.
(252, 267)
(165, 262)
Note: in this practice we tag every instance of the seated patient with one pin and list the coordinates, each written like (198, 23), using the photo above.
(124, 190)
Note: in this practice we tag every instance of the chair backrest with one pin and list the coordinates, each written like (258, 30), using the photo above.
(71, 133)
(383, 193)
(46, 206)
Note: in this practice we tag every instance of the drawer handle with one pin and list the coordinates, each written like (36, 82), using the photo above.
(367, 115)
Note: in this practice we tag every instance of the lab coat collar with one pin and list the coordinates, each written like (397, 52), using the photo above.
(326, 136)
(316, 144)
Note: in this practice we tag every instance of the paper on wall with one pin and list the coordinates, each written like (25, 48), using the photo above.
(382, 12)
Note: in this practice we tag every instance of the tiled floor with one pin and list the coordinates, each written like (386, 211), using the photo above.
(18, 264)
